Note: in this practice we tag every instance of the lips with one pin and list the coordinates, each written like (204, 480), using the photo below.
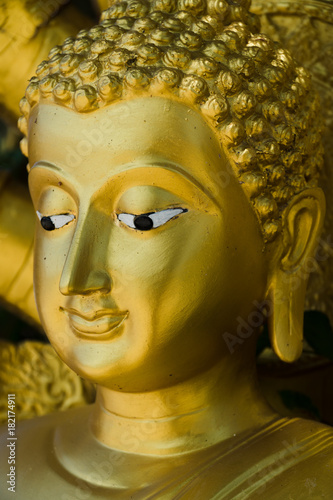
(98, 325)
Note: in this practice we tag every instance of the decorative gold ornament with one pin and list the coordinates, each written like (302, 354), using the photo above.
(41, 382)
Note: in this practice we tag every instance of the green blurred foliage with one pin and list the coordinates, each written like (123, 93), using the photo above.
(317, 332)
(14, 329)
(88, 7)
(319, 335)
(300, 403)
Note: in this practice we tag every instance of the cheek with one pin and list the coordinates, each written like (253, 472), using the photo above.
(165, 257)
(49, 259)
(213, 278)
(50, 255)
(187, 276)
(134, 262)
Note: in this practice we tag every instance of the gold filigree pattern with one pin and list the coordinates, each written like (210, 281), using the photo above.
(40, 380)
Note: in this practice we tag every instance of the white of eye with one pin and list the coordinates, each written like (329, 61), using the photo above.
(157, 218)
(160, 218)
(58, 221)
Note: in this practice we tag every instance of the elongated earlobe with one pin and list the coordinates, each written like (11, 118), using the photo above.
(285, 323)
(302, 224)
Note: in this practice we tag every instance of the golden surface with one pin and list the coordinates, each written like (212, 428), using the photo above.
(17, 222)
(304, 27)
(259, 100)
(41, 381)
(158, 164)
(29, 29)
(156, 317)
(103, 4)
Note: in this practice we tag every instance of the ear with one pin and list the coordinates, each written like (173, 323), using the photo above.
(302, 223)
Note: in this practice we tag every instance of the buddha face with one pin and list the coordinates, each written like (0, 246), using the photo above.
(143, 258)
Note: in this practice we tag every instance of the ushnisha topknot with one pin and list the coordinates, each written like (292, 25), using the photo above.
(209, 55)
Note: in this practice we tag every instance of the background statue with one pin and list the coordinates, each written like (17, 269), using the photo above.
(173, 176)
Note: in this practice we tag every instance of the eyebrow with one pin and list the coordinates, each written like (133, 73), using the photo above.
(190, 178)
(159, 164)
(46, 164)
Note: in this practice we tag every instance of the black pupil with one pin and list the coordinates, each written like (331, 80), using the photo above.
(47, 224)
(143, 222)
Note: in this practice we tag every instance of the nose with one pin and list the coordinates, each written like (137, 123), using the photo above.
(86, 266)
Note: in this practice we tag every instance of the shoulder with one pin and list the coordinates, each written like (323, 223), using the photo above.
(287, 458)
(30, 458)
(304, 463)
(305, 439)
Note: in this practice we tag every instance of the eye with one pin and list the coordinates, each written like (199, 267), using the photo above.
(146, 222)
(52, 222)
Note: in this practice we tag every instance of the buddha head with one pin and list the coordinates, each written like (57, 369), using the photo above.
(174, 156)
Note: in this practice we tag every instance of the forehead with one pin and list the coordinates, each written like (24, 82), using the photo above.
(94, 146)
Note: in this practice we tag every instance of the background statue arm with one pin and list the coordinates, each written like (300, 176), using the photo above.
(17, 220)
(28, 31)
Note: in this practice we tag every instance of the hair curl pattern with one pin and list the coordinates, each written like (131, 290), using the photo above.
(209, 55)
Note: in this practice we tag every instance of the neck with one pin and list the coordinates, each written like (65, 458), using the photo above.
(207, 409)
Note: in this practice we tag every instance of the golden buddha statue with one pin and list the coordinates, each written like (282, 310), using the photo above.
(173, 174)
(30, 30)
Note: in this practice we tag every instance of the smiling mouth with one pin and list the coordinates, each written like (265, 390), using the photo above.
(99, 326)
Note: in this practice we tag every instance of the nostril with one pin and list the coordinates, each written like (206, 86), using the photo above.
(99, 281)
(79, 282)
